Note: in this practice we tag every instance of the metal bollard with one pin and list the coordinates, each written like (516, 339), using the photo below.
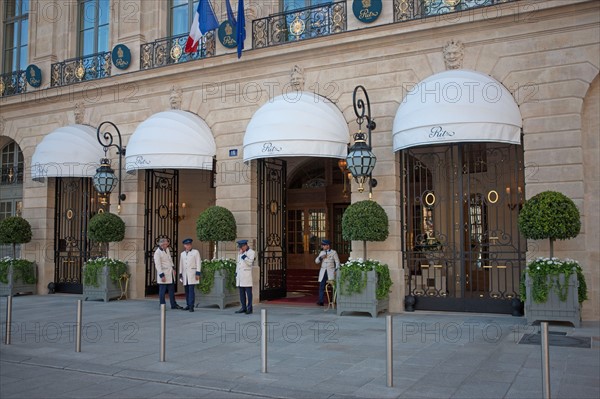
(263, 339)
(390, 351)
(163, 331)
(78, 326)
(8, 319)
(545, 360)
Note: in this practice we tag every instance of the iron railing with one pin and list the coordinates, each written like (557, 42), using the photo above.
(12, 83)
(75, 70)
(170, 50)
(406, 10)
(299, 24)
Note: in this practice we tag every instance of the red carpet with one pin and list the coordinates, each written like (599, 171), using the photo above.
(296, 299)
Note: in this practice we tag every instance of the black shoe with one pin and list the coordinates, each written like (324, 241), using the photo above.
(186, 308)
(320, 304)
(191, 309)
(249, 311)
(176, 307)
(241, 311)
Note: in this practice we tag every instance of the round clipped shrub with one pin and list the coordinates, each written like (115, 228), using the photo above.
(106, 227)
(15, 230)
(365, 221)
(550, 215)
(216, 224)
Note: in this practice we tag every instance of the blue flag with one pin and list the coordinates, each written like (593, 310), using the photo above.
(230, 15)
(207, 19)
(241, 28)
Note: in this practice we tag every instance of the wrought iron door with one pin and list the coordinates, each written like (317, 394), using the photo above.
(161, 218)
(462, 249)
(271, 227)
(76, 202)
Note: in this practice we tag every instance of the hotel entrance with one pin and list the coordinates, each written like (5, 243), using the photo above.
(462, 248)
(301, 193)
(317, 199)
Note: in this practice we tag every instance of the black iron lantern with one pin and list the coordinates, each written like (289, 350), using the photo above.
(360, 159)
(105, 180)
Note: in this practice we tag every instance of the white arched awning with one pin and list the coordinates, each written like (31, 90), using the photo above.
(457, 106)
(294, 125)
(68, 151)
(171, 140)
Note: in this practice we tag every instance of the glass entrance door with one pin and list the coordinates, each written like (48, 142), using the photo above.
(306, 228)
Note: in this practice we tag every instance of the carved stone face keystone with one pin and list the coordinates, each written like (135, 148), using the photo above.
(453, 54)
(297, 78)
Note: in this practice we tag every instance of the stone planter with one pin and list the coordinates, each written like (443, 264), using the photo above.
(219, 294)
(106, 290)
(554, 309)
(365, 301)
(16, 285)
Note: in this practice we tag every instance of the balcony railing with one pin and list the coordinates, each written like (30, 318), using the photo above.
(406, 10)
(89, 67)
(12, 83)
(169, 50)
(299, 24)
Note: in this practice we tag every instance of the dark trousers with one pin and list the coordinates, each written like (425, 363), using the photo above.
(190, 296)
(246, 292)
(162, 288)
(322, 287)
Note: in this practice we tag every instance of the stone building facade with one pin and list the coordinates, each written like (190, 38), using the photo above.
(544, 53)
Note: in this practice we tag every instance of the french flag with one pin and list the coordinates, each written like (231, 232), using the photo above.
(204, 21)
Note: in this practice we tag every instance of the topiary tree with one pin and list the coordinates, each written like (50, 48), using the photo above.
(106, 227)
(15, 230)
(216, 224)
(365, 221)
(551, 215)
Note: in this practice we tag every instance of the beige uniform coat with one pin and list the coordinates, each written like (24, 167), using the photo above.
(189, 264)
(243, 270)
(329, 263)
(164, 264)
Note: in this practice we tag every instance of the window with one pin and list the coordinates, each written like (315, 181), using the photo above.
(11, 187)
(94, 17)
(289, 5)
(181, 16)
(12, 164)
(16, 27)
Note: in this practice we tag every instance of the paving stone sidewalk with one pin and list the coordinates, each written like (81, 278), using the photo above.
(312, 353)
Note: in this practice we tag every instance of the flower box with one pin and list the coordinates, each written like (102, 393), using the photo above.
(363, 286)
(220, 294)
(17, 278)
(554, 309)
(217, 284)
(101, 286)
(553, 290)
(365, 301)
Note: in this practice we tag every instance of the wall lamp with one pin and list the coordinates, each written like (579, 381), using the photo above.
(342, 164)
(519, 198)
(360, 160)
(105, 179)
